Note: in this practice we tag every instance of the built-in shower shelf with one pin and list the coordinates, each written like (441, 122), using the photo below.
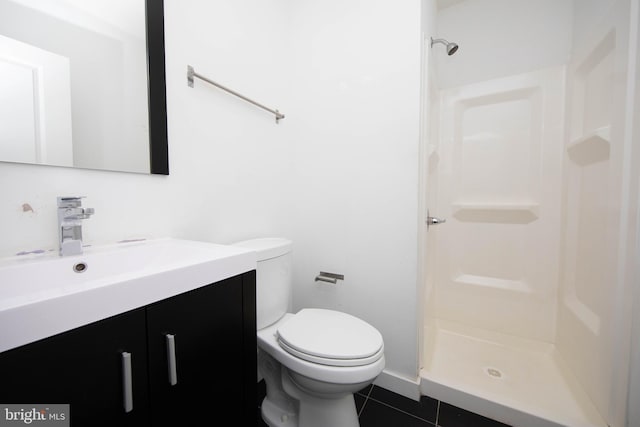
(493, 282)
(512, 213)
(591, 148)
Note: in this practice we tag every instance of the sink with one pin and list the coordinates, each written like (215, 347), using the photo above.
(46, 294)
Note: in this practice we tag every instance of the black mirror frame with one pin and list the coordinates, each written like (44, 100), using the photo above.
(158, 140)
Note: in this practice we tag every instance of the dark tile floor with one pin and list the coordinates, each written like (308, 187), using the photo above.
(378, 407)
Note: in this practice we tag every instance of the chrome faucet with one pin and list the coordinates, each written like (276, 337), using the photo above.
(70, 216)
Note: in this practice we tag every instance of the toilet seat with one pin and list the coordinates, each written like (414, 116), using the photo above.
(268, 342)
(330, 338)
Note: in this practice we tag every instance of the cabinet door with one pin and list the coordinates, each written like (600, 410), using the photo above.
(207, 329)
(83, 367)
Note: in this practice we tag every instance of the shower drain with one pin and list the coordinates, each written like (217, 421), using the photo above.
(493, 372)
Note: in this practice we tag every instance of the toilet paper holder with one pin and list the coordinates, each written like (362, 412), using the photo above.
(329, 277)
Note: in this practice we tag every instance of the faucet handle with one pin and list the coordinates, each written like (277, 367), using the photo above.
(70, 201)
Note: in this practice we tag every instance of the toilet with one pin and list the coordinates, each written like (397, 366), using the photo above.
(314, 360)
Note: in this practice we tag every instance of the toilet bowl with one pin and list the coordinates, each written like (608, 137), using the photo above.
(319, 376)
(313, 360)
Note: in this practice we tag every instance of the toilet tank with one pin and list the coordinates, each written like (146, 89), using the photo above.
(273, 278)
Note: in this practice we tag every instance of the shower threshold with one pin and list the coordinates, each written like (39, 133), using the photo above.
(519, 382)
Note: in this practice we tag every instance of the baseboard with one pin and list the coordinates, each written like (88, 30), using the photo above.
(392, 381)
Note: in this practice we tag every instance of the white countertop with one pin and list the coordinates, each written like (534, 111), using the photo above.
(41, 295)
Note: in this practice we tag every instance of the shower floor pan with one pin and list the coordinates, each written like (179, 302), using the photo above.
(516, 381)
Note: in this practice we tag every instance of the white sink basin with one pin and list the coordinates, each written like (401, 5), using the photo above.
(44, 295)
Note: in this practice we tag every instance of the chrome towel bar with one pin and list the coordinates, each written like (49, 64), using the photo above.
(191, 74)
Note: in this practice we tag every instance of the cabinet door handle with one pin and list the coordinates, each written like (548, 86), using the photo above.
(171, 359)
(127, 385)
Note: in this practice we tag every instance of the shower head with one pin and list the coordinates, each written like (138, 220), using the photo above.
(451, 47)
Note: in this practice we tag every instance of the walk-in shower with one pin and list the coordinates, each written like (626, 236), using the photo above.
(527, 157)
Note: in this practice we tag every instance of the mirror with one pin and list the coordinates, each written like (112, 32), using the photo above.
(82, 84)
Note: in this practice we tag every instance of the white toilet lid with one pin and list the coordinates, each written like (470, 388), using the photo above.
(330, 337)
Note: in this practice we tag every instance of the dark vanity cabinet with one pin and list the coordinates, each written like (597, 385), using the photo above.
(208, 355)
(83, 368)
(192, 358)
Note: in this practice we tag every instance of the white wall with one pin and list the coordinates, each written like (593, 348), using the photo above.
(355, 120)
(230, 163)
(338, 175)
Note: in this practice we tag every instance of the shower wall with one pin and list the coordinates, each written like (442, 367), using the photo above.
(496, 259)
(593, 315)
(500, 38)
(498, 172)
